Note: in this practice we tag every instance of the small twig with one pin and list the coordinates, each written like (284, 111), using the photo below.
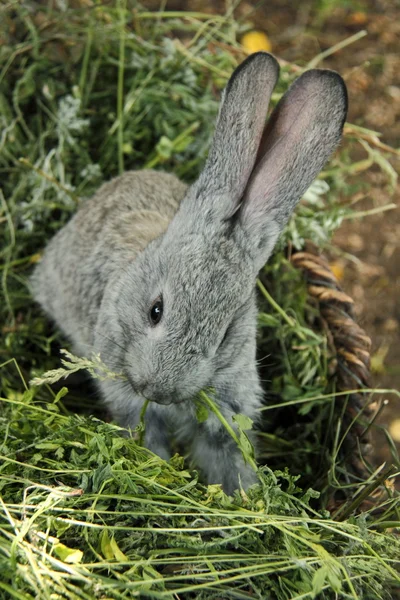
(176, 14)
(383, 404)
(275, 305)
(331, 396)
(203, 63)
(333, 49)
(347, 509)
(48, 178)
(370, 136)
(120, 91)
(85, 63)
(140, 440)
(373, 211)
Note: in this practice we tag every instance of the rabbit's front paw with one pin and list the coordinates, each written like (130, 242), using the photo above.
(220, 461)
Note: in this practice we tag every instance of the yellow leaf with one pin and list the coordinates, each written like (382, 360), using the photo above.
(378, 360)
(357, 18)
(105, 545)
(254, 41)
(394, 429)
(110, 548)
(68, 555)
(338, 270)
(35, 258)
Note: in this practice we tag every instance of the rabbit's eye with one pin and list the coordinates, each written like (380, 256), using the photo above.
(156, 311)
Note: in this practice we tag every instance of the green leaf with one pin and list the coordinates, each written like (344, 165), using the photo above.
(105, 545)
(334, 578)
(164, 148)
(60, 394)
(267, 320)
(47, 446)
(118, 554)
(243, 422)
(318, 580)
(201, 412)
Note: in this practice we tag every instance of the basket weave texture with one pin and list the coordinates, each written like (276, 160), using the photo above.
(351, 344)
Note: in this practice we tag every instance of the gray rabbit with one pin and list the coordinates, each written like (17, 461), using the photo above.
(160, 278)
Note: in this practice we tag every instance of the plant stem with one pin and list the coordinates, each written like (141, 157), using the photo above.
(85, 64)
(176, 14)
(49, 178)
(274, 304)
(373, 211)
(346, 510)
(120, 96)
(142, 423)
(212, 406)
(186, 133)
(350, 40)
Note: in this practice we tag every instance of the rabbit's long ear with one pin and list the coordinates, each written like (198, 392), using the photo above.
(301, 134)
(237, 136)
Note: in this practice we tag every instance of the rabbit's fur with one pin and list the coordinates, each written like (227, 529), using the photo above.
(145, 235)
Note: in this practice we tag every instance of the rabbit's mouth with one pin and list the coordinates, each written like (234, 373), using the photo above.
(147, 392)
(166, 399)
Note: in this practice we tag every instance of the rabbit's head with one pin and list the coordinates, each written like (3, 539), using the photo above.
(184, 308)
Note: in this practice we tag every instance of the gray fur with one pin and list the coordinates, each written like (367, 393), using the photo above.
(145, 234)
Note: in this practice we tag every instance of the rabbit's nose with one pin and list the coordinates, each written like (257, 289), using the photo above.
(150, 393)
(146, 391)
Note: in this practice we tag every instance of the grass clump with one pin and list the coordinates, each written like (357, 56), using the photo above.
(88, 511)
(85, 512)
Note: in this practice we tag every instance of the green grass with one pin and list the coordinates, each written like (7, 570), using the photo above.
(84, 512)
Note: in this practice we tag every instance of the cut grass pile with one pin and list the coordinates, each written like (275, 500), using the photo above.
(85, 513)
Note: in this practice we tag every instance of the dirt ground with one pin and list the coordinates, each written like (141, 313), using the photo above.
(368, 260)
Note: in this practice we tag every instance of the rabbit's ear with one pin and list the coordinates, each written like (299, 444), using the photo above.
(237, 135)
(301, 134)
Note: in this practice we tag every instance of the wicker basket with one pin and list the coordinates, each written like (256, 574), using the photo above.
(351, 346)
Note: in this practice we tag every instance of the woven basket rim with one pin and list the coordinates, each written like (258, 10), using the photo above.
(350, 342)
